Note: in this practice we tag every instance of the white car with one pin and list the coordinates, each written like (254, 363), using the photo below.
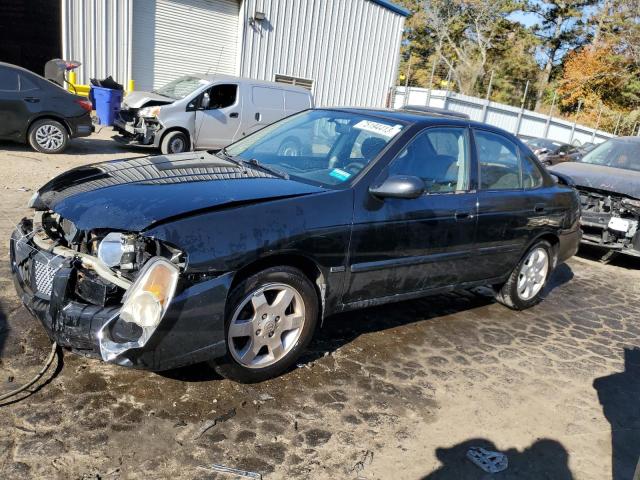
(205, 112)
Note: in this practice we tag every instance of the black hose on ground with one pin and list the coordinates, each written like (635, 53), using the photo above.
(52, 355)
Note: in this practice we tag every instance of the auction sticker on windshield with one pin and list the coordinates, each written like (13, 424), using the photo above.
(382, 129)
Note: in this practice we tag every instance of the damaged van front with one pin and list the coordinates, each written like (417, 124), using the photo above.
(146, 117)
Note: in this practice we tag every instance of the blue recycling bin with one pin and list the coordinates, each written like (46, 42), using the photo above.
(106, 103)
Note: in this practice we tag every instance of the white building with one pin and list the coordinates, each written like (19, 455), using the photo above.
(345, 51)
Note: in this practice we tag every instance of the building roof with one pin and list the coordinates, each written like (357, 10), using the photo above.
(393, 7)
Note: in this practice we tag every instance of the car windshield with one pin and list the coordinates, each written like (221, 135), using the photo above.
(181, 87)
(323, 147)
(617, 153)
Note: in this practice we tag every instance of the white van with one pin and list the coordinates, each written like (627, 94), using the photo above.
(205, 111)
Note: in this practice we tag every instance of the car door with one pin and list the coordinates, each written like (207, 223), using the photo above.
(507, 212)
(404, 246)
(218, 116)
(18, 101)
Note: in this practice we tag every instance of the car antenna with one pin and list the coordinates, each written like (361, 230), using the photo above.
(219, 58)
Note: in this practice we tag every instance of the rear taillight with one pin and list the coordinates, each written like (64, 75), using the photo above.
(86, 104)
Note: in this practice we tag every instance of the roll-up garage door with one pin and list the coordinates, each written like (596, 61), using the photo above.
(177, 37)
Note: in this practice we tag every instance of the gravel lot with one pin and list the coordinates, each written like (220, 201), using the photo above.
(395, 392)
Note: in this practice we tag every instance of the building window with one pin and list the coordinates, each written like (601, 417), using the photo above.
(299, 82)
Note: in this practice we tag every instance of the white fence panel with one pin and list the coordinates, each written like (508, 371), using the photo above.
(511, 119)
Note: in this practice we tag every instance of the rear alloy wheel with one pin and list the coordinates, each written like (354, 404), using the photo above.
(175, 142)
(48, 136)
(271, 320)
(524, 287)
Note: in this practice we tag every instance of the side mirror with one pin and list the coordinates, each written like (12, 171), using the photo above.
(206, 101)
(399, 186)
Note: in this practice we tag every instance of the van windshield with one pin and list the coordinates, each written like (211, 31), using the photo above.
(181, 87)
(323, 147)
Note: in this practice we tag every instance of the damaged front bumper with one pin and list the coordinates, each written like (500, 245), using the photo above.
(134, 130)
(610, 222)
(51, 287)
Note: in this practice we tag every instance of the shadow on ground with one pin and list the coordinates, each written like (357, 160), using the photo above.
(341, 329)
(619, 395)
(594, 253)
(544, 459)
(81, 146)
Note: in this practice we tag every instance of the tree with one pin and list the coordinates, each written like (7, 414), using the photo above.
(560, 29)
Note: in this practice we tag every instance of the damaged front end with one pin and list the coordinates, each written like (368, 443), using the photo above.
(610, 220)
(102, 294)
(138, 126)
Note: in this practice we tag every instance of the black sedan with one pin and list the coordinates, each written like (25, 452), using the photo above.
(36, 111)
(237, 257)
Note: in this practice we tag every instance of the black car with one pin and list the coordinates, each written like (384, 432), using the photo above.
(237, 257)
(37, 111)
(608, 179)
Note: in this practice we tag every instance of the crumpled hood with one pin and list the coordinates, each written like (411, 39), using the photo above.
(599, 177)
(139, 99)
(135, 194)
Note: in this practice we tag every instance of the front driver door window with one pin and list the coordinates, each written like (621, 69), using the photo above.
(401, 246)
(217, 116)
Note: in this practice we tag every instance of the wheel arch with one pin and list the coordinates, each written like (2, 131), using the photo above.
(302, 262)
(174, 129)
(48, 116)
(554, 241)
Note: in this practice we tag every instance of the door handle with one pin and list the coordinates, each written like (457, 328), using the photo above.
(233, 115)
(258, 117)
(464, 216)
(539, 208)
(31, 99)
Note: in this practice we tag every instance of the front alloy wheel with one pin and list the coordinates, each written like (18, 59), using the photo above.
(271, 318)
(266, 325)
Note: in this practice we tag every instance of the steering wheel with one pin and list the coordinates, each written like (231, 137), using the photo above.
(354, 167)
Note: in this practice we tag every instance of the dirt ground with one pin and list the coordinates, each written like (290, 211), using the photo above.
(395, 392)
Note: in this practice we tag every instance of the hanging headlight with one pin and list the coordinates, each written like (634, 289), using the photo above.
(148, 298)
(144, 304)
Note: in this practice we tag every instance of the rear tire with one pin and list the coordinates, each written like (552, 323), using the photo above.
(175, 142)
(526, 283)
(270, 319)
(48, 136)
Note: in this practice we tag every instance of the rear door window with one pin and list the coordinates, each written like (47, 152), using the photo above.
(296, 101)
(531, 175)
(9, 80)
(499, 162)
(27, 84)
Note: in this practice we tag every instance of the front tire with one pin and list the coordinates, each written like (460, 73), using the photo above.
(175, 142)
(270, 320)
(48, 136)
(526, 283)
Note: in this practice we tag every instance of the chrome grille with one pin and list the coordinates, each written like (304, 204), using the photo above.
(43, 274)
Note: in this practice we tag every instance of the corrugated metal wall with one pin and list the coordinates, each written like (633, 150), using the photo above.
(98, 33)
(177, 37)
(349, 48)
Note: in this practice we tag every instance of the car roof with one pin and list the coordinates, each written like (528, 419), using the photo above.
(417, 118)
(220, 77)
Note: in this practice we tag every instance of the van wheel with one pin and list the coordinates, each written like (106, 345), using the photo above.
(526, 283)
(271, 318)
(175, 142)
(48, 136)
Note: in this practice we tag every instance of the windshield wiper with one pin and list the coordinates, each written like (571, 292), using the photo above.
(231, 158)
(268, 168)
